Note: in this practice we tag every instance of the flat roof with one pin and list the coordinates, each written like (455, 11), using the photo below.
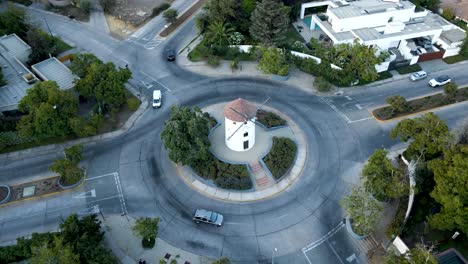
(453, 35)
(13, 45)
(365, 7)
(53, 70)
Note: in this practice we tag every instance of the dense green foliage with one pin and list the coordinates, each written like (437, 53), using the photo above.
(185, 135)
(48, 110)
(270, 22)
(160, 8)
(133, 103)
(13, 20)
(450, 90)
(104, 83)
(77, 237)
(269, 119)
(281, 156)
(43, 45)
(409, 69)
(451, 189)
(321, 84)
(429, 135)
(170, 15)
(397, 102)
(81, 62)
(67, 167)
(273, 62)
(417, 255)
(223, 260)
(147, 229)
(382, 179)
(363, 209)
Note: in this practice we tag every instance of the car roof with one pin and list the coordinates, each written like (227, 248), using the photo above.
(157, 93)
(203, 213)
(420, 73)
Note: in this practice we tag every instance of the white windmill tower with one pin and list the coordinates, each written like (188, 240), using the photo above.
(239, 120)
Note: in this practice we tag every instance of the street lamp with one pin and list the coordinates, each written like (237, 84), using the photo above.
(273, 255)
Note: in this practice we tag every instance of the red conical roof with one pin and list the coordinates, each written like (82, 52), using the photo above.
(244, 107)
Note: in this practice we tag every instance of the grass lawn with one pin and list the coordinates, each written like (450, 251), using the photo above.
(454, 59)
(409, 69)
(421, 104)
(62, 46)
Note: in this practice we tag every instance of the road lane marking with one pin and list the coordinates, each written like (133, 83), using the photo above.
(91, 193)
(101, 176)
(334, 251)
(325, 237)
(121, 196)
(156, 81)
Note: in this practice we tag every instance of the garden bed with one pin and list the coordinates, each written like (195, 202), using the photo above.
(70, 11)
(225, 175)
(421, 104)
(269, 119)
(454, 59)
(281, 156)
(41, 187)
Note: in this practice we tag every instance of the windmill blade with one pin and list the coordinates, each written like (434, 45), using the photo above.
(240, 114)
(235, 131)
(258, 108)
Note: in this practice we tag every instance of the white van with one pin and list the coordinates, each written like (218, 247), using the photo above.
(157, 98)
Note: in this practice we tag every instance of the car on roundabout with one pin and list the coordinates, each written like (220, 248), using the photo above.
(208, 217)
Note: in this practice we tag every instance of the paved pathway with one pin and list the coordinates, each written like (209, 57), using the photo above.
(260, 177)
(97, 19)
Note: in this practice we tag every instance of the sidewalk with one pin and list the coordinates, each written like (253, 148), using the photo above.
(127, 247)
(97, 18)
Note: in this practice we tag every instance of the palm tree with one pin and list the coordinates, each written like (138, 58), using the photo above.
(218, 33)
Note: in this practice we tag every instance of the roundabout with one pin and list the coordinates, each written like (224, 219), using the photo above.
(290, 220)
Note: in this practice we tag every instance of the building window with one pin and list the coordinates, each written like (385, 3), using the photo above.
(245, 123)
(246, 134)
(234, 123)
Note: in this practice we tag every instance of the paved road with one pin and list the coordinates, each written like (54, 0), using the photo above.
(132, 174)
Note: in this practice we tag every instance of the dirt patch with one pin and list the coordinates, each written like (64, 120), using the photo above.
(135, 12)
(119, 28)
(42, 187)
(70, 12)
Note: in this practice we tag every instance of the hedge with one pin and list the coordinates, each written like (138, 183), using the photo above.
(269, 119)
(409, 69)
(22, 249)
(281, 156)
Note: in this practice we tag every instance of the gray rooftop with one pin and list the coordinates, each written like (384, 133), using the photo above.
(53, 70)
(346, 35)
(13, 45)
(452, 36)
(365, 7)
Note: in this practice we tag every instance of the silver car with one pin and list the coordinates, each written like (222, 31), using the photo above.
(209, 217)
(418, 76)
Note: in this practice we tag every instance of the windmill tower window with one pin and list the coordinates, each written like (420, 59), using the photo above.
(246, 134)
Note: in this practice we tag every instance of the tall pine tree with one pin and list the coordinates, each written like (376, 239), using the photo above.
(270, 21)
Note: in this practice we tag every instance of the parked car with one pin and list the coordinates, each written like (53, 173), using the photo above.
(421, 50)
(209, 217)
(170, 55)
(424, 42)
(418, 76)
(157, 98)
(439, 81)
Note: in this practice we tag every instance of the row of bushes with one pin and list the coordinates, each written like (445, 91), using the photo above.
(409, 69)
(23, 248)
(281, 156)
(224, 175)
(12, 138)
(203, 52)
(160, 8)
(269, 119)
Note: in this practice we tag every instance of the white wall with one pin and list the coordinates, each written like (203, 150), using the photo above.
(451, 52)
(385, 43)
(314, 4)
(368, 20)
(236, 142)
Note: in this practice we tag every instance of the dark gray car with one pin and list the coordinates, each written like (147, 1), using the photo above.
(209, 217)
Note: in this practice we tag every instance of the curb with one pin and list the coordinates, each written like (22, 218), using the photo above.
(371, 111)
(44, 195)
(25, 153)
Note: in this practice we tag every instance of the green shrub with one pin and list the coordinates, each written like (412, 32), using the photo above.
(281, 156)
(409, 69)
(284, 70)
(220, 50)
(234, 64)
(158, 9)
(454, 59)
(12, 138)
(321, 84)
(133, 103)
(213, 61)
(148, 243)
(85, 5)
(269, 119)
(232, 53)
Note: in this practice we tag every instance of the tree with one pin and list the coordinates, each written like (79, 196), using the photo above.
(451, 189)
(363, 209)
(185, 135)
(58, 252)
(397, 102)
(450, 90)
(81, 62)
(273, 62)
(357, 60)
(223, 260)
(429, 135)
(42, 45)
(417, 255)
(221, 10)
(218, 33)
(170, 15)
(14, 20)
(67, 167)
(464, 47)
(85, 5)
(105, 83)
(147, 229)
(270, 22)
(381, 179)
(107, 4)
(48, 109)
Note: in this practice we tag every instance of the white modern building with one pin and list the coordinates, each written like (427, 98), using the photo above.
(239, 125)
(391, 25)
